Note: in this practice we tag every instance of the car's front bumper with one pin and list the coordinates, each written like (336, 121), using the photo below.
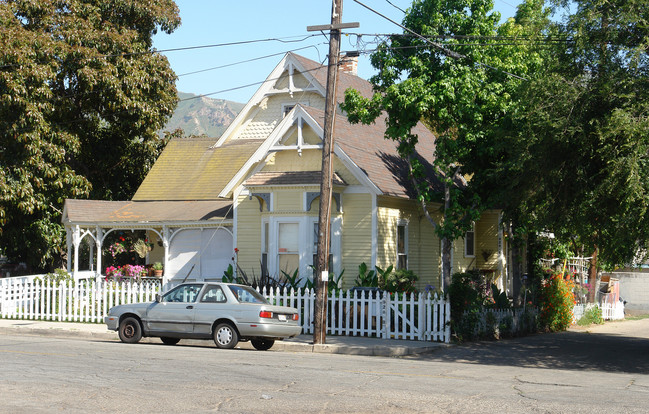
(112, 322)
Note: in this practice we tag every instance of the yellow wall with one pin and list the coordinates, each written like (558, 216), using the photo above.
(310, 160)
(423, 244)
(356, 235)
(249, 235)
(486, 246)
(487, 240)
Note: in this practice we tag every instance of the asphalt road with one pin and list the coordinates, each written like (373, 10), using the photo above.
(605, 370)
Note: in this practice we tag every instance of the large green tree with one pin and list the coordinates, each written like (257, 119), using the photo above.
(81, 99)
(457, 68)
(577, 153)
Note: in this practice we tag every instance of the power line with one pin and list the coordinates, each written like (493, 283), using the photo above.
(444, 50)
(395, 6)
(178, 49)
(105, 115)
(246, 61)
(244, 86)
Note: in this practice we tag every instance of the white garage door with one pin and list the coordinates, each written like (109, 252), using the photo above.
(210, 251)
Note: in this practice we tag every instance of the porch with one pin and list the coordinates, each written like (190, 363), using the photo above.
(192, 239)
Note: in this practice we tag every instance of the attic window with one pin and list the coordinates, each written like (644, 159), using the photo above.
(287, 107)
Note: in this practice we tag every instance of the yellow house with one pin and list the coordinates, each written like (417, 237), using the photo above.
(259, 185)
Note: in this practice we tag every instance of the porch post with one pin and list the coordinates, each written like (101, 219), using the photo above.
(68, 242)
(165, 242)
(91, 260)
(99, 242)
(76, 239)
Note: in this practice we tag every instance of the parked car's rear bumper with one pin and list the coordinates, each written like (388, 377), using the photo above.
(269, 330)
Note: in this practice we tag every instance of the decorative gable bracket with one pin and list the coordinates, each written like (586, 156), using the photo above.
(262, 198)
(310, 196)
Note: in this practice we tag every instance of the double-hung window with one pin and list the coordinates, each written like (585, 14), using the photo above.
(402, 245)
(469, 242)
(288, 247)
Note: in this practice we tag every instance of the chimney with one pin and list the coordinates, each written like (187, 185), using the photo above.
(349, 62)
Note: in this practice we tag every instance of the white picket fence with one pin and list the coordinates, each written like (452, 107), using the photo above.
(610, 311)
(423, 316)
(84, 301)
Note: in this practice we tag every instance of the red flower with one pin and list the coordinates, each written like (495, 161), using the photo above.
(236, 250)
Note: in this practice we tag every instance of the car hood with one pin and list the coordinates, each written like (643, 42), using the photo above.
(131, 307)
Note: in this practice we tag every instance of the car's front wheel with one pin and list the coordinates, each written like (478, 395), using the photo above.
(225, 336)
(130, 330)
(262, 344)
(169, 341)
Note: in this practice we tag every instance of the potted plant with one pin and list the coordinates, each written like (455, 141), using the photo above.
(157, 269)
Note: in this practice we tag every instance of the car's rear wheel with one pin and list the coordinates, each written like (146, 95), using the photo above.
(225, 336)
(130, 330)
(169, 341)
(262, 344)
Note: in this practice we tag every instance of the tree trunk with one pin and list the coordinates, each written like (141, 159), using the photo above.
(446, 263)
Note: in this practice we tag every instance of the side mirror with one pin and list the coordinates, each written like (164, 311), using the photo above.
(158, 297)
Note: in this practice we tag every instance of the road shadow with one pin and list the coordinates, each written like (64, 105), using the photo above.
(562, 350)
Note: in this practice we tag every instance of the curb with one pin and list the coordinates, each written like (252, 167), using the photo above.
(299, 345)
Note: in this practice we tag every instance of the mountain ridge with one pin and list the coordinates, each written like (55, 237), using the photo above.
(200, 115)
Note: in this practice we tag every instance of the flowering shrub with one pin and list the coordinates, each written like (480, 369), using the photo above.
(557, 302)
(117, 248)
(126, 271)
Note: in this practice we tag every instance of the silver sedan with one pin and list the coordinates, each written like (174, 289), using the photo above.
(226, 313)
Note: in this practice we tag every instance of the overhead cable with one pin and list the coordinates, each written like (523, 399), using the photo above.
(438, 46)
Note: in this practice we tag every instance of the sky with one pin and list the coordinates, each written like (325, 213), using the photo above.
(250, 24)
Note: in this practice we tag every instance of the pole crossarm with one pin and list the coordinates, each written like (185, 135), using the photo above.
(339, 26)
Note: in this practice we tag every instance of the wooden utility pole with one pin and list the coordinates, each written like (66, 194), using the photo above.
(324, 218)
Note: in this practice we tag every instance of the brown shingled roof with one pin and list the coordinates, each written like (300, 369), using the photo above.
(366, 144)
(377, 156)
(289, 178)
(97, 211)
(190, 169)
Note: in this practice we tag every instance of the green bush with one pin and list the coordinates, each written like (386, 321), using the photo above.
(366, 277)
(401, 281)
(591, 316)
(466, 292)
(56, 279)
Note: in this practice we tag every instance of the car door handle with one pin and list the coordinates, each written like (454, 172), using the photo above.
(190, 307)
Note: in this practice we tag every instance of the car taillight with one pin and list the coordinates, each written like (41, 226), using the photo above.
(266, 314)
(296, 317)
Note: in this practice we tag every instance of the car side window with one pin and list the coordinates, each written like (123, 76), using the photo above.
(246, 294)
(213, 294)
(184, 293)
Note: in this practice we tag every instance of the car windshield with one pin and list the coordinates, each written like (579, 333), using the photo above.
(246, 294)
